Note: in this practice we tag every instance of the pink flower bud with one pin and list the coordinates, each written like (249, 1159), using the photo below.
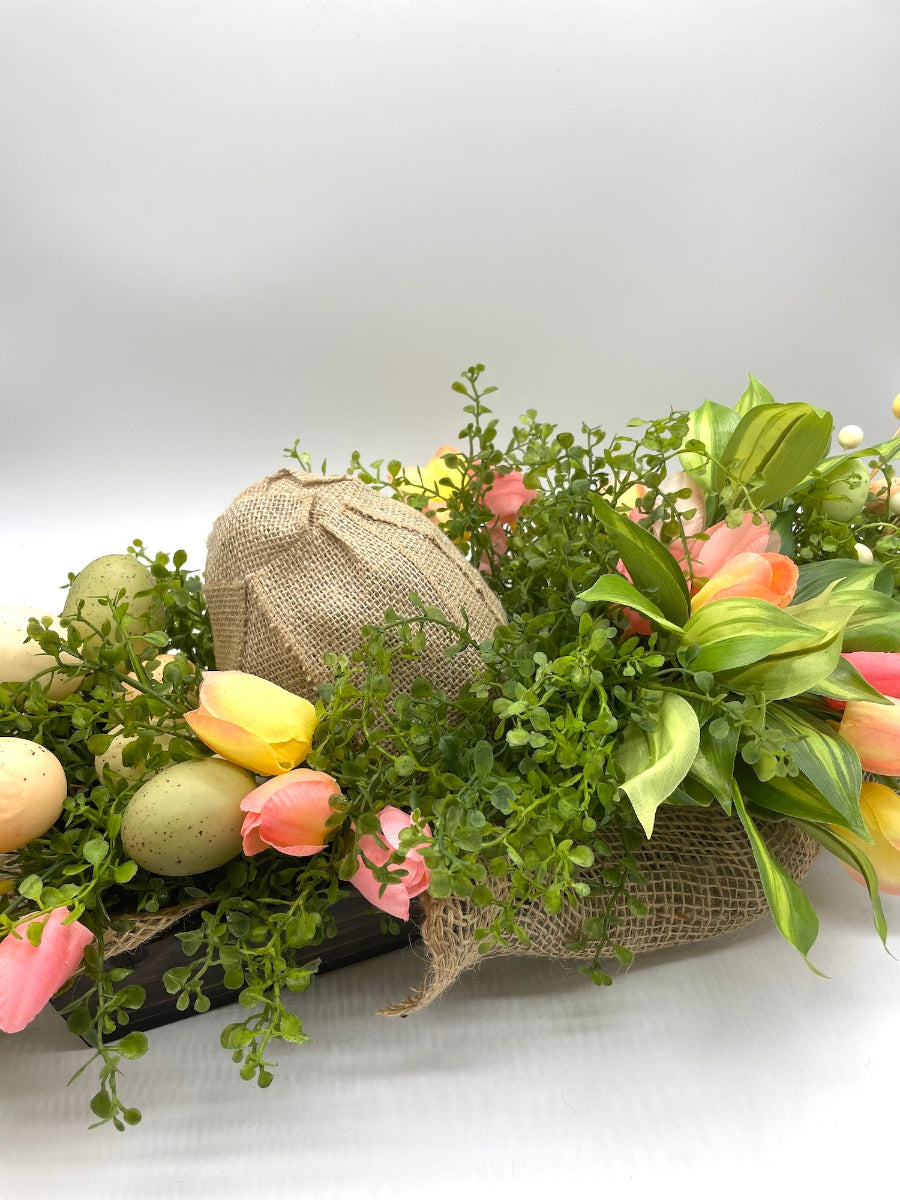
(290, 813)
(413, 876)
(30, 975)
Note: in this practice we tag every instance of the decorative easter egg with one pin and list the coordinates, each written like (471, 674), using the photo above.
(32, 791)
(187, 819)
(20, 660)
(113, 756)
(848, 491)
(107, 576)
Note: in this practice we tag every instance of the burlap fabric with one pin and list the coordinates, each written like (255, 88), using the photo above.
(298, 563)
(700, 880)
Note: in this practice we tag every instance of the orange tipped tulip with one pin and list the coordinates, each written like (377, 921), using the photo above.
(873, 730)
(291, 813)
(252, 722)
(771, 577)
(880, 809)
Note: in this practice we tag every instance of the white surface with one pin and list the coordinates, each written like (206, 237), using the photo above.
(231, 223)
(728, 1068)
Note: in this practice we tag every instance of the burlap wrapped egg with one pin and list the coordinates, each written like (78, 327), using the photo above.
(299, 563)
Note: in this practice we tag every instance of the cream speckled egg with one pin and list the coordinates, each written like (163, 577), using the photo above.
(19, 660)
(187, 819)
(112, 757)
(32, 791)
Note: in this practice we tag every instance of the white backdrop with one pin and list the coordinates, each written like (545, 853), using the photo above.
(227, 224)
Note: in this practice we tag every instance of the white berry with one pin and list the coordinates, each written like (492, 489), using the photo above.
(850, 437)
(895, 407)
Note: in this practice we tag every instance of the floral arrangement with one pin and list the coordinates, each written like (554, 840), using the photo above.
(703, 614)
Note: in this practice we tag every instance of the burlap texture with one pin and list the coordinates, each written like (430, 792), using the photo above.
(298, 563)
(700, 880)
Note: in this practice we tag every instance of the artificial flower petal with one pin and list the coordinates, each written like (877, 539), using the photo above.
(30, 975)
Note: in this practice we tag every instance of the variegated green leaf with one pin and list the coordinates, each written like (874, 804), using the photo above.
(653, 764)
(773, 449)
(615, 589)
(736, 632)
(794, 915)
(829, 762)
(653, 570)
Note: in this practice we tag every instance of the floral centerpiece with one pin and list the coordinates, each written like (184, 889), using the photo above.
(699, 616)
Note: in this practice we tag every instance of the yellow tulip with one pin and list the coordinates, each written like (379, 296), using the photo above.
(879, 806)
(252, 722)
(426, 481)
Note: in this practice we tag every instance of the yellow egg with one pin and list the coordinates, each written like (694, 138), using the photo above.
(187, 819)
(20, 660)
(32, 791)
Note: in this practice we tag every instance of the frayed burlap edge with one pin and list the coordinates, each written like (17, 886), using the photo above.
(700, 881)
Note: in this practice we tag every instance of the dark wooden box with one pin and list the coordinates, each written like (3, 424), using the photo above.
(359, 936)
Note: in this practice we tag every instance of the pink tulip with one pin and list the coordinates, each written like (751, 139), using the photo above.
(507, 496)
(879, 668)
(873, 730)
(709, 554)
(880, 809)
(771, 577)
(290, 813)
(30, 975)
(395, 897)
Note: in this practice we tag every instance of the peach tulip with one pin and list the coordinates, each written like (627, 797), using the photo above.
(873, 730)
(720, 544)
(880, 809)
(507, 496)
(393, 898)
(290, 813)
(30, 975)
(771, 577)
(252, 722)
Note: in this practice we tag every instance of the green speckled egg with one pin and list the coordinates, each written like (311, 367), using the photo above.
(187, 819)
(107, 576)
(848, 490)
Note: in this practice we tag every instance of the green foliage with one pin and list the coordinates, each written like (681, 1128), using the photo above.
(572, 731)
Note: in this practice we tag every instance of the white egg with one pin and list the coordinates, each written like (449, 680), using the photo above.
(32, 791)
(20, 660)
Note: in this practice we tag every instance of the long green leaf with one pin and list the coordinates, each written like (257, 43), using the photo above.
(653, 764)
(829, 762)
(736, 632)
(814, 578)
(794, 915)
(874, 626)
(843, 849)
(802, 665)
(846, 683)
(754, 396)
(785, 795)
(713, 765)
(615, 589)
(652, 568)
(712, 424)
(773, 449)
